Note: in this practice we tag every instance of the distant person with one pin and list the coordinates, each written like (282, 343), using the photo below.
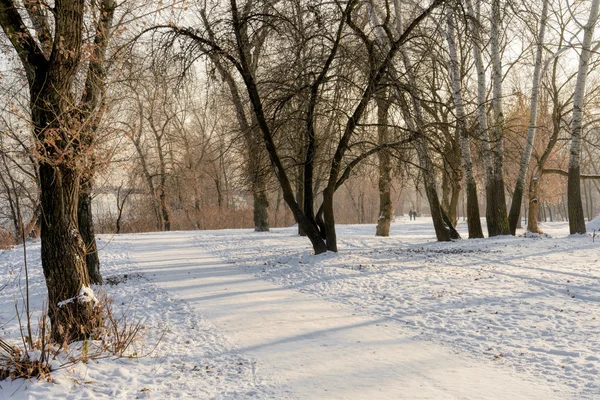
(415, 215)
(410, 214)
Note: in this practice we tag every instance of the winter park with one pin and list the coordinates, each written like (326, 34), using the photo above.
(299, 199)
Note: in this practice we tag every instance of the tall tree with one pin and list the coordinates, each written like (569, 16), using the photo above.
(496, 215)
(413, 117)
(51, 63)
(515, 208)
(474, 222)
(576, 215)
(255, 157)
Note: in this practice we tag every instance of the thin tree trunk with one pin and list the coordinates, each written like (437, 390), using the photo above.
(10, 193)
(515, 208)
(300, 194)
(576, 217)
(454, 200)
(93, 100)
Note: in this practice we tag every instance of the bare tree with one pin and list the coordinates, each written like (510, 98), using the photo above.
(515, 209)
(51, 64)
(474, 222)
(576, 215)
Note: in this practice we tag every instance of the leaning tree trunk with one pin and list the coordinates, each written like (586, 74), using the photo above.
(514, 215)
(576, 216)
(86, 229)
(474, 222)
(443, 231)
(385, 170)
(93, 101)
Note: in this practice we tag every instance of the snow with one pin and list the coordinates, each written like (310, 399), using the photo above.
(86, 295)
(594, 224)
(237, 314)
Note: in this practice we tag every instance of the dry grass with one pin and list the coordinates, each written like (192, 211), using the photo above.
(34, 357)
(7, 239)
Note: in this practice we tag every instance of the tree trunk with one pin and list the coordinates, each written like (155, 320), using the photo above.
(446, 192)
(164, 210)
(576, 217)
(385, 169)
(496, 205)
(59, 123)
(515, 208)
(474, 222)
(590, 202)
(534, 206)
(486, 151)
(261, 216)
(442, 231)
(454, 199)
(162, 195)
(300, 194)
(86, 229)
(258, 183)
(63, 256)
(329, 220)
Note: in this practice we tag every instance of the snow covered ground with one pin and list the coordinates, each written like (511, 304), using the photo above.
(192, 359)
(514, 312)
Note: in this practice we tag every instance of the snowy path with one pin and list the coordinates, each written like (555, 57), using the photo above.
(314, 348)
